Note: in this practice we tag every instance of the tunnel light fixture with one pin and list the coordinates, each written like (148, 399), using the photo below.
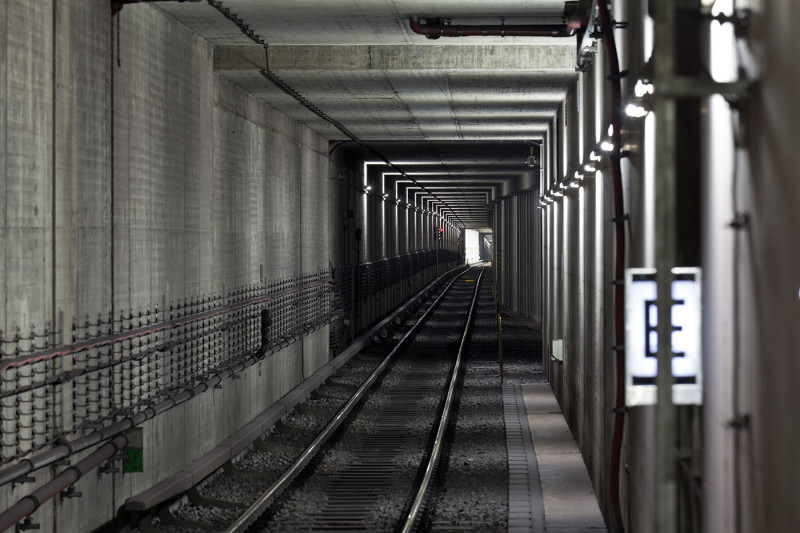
(610, 130)
(385, 195)
(635, 110)
(575, 184)
(594, 156)
(558, 193)
(531, 161)
(368, 188)
(397, 201)
(607, 146)
(589, 167)
(642, 88)
(562, 185)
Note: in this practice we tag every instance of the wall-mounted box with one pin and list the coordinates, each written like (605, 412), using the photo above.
(558, 350)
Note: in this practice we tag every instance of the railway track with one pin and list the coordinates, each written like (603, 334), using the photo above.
(362, 452)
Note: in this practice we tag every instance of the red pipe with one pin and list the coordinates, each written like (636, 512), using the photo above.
(434, 31)
(30, 503)
(619, 263)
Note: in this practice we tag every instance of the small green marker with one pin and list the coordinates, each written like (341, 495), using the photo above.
(134, 460)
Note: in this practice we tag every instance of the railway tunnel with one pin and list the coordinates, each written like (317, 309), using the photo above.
(212, 208)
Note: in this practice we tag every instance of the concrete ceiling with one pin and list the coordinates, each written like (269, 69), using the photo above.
(466, 109)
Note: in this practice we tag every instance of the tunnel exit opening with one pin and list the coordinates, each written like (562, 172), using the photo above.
(472, 252)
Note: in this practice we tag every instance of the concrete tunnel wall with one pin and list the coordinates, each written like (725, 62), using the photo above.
(389, 232)
(749, 476)
(517, 253)
(136, 177)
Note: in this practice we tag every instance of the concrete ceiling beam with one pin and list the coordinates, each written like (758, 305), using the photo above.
(519, 58)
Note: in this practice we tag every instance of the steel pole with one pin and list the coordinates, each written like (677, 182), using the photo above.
(665, 110)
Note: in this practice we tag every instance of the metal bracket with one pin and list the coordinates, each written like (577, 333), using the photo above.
(741, 421)
(22, 480)
(70, 493)
(740, 20)
(621, 75)
(108, 468)
(26, 525)
(691, 87)
(740, 221)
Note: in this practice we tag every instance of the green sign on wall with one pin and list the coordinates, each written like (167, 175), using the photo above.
(133, 461)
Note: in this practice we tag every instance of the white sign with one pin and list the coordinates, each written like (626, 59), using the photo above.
(641, 337)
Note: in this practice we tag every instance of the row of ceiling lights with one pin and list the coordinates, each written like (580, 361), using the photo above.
(638, 107)
(385, 196)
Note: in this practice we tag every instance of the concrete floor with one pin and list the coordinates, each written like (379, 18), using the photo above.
(570, 504)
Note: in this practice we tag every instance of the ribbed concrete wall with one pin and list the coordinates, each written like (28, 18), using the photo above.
(753, 282)
(518, 253)
(389, 231)
(747, 471)
(134, 176)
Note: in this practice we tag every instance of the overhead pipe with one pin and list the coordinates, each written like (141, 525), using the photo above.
(439, 29)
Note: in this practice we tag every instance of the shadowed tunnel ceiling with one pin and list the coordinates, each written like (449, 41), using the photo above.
(458, 114)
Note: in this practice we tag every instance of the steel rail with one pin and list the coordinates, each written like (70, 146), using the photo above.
(416, 507)
(252, 513)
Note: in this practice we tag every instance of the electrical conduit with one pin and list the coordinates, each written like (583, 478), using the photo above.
(27, 505)
(619, 263)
